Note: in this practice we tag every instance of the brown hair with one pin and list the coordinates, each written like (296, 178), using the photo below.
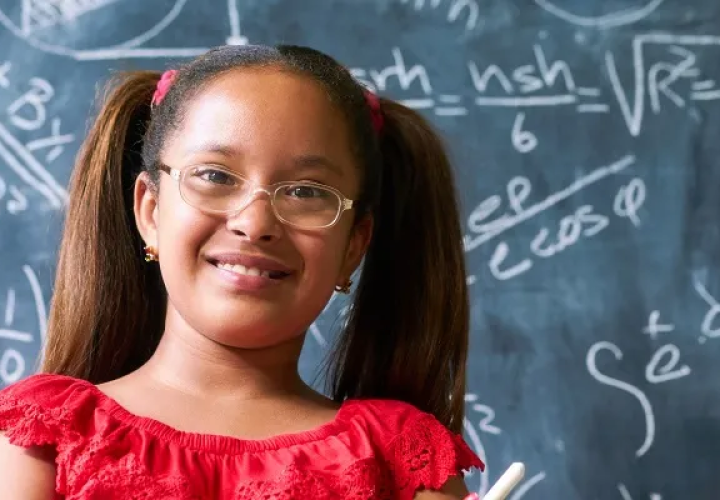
(407, 333)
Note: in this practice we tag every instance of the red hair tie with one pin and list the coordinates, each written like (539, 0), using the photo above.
(377, 116)
(163, 85)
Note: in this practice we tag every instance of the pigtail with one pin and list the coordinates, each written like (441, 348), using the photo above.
(407, 333)
(106, 313)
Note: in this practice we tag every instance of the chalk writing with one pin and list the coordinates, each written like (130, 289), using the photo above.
(654, 327)
(485, 424)
(12, 364)
(476, 443)
(591, 362)
(626, 494)
(407, 77)
(682, 66)
(605, 20)
(469, 8)
(656, 373)
(522, 140)
(584, 222)
(523, 488)
(4, 70)
(544, 82)
(39, 14)
(55, 141)
(629, 199)
(28, 112)
(709, 328)
(36, 97)
(664, 366)
(34, 17)
(15, 200)
(513, 89)
(518, 189)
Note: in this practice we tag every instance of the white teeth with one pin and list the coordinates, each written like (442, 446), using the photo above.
(240, 269)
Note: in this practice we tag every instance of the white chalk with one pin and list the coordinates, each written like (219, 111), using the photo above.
(507, 482)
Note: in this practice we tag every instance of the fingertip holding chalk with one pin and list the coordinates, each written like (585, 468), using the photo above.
(500, 490)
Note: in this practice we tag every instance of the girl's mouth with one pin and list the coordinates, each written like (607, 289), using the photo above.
(250, 271)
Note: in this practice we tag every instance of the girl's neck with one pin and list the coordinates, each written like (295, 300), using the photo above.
(193, 364)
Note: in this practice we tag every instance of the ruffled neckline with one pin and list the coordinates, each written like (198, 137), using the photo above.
(216, 443)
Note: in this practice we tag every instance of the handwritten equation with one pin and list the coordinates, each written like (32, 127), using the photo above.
(494, 216)
(663, 366)
(13, 365)
(27, 113)
(674, 80)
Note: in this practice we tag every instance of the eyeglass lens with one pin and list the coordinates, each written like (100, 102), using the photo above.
(300, 203)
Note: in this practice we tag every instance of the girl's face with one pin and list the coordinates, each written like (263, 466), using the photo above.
(269, 126)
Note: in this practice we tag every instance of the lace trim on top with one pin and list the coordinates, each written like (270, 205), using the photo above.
(214, 443)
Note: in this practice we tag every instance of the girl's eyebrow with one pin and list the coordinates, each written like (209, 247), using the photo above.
(314, 161)
(301, 161)
(213, 147)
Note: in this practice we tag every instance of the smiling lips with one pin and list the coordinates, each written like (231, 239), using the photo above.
(250, 265)
(250, 271)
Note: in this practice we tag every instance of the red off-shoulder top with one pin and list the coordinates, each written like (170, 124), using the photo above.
(373, 449)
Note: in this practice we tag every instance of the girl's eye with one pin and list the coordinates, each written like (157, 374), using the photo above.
(301, 191)
(215, 177)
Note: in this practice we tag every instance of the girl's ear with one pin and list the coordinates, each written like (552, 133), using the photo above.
(145, 207)
(356, 248)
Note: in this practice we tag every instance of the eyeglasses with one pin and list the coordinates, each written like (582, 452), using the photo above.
(304, 204)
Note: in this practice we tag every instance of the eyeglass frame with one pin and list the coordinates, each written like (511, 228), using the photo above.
(178, 173)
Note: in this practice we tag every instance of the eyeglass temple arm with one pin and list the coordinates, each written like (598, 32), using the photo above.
(174, 173)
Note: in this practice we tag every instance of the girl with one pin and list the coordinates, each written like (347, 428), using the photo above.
(256, 180)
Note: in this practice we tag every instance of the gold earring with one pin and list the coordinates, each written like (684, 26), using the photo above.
(345, 288)
(150, 254)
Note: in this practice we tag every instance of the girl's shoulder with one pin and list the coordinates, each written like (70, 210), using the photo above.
(45, 409)
(390, 419)
(415, 442)
(41, 385)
